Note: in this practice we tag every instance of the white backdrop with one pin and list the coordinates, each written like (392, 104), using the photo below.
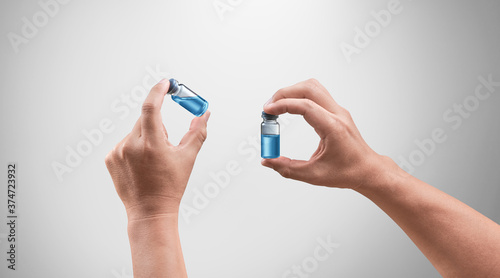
(70, 66)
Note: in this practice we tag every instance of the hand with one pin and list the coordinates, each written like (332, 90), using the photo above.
(149, 173)
(342, 159)
(457, 240)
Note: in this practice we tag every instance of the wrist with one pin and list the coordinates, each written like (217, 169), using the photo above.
(155, 245)
(153, 207)
(383, 175)
(156, 230)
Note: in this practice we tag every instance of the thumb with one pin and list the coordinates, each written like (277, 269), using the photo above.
(197, 133)
(290, 168)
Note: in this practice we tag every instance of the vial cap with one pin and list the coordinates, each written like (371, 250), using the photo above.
(174, 86)
(266, 116)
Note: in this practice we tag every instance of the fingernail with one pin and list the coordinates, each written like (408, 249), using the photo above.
(163, 80)
(268, 106)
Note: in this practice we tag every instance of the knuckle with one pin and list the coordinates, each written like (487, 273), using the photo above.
(341, 127)
(128, 149)
(309, 104)
(148, 107)
(313, 82)
(349, 117)
(344, 111)
(202, 135)
(108, 160)
(334, 124)
(312, 85)
(148, 148)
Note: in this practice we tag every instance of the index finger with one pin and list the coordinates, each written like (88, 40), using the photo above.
(151, 122)
(319, 118)
(309, 89)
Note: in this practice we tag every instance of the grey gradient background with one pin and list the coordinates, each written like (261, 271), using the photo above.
(66, 78)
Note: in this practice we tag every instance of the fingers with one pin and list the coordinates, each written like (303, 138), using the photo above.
(309, 89)
(151, 122)
(197, 133)
(320, 119)
(290, 168)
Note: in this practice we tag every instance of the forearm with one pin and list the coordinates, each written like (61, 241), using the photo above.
(156, 248)
(457, 240)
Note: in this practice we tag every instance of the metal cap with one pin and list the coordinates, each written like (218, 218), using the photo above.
(174, 86)
(266, 116)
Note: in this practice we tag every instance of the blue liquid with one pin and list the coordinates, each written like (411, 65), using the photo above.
(196, 105)
(270, 146)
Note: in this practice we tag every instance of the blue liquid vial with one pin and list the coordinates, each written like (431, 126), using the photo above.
(186, 98)
(269, 136)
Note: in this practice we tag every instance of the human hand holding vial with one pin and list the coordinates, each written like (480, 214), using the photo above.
(270, 136)
(456, 239)
(186, 98)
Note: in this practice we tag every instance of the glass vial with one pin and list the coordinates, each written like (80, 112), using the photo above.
(186, 98)
(269, 136)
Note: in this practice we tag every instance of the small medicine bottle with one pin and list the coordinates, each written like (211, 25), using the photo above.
(186, 98)
(270, 136)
